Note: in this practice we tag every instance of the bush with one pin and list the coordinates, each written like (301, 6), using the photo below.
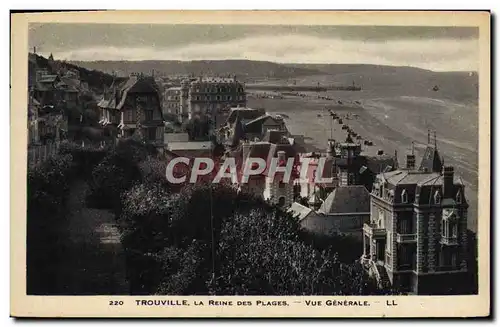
(47, 192)
(85, 158)
(210, 239)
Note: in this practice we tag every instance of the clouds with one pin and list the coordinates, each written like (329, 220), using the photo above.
(439, 54)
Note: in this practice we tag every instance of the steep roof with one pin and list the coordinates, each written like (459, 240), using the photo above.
(299, 211)
(431, 161)
(347, 199)
(245, 114)
(132, 84)
(275, 137)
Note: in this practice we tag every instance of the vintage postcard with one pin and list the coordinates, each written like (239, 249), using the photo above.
(250, 164)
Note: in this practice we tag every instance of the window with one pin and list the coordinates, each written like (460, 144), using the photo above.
(437, 197)
(218, 98)
(453, 259)
(453, 229)
(197, 98)
(459, 197)
(159, 133)
(229, 98)
(151, 134)
(404, 197)
(149, 114)
(130, 115)
(281, 185)
(281, 201)
(380, 218)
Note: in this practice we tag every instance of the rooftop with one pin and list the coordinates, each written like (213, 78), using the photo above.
(415, 177)
(299, 211)
(347, 199)
(173, 146)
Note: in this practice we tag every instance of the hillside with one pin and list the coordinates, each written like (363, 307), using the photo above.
(381, 80)
(96, 79)
(244, 69)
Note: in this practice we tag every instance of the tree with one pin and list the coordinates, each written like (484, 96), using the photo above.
(198, 127)
(210, 239)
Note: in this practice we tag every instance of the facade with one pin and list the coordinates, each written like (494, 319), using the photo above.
(172, 101)
(416, 239)
(258, 128)
(51, 89)
(308, 188)
(273, 189)
(212, 96)
(344, 211)
(134, 108)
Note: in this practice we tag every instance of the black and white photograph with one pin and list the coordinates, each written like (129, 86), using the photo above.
(171, 159)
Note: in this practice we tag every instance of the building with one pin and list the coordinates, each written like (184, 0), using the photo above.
(344, 211)
(212, 96)
(134, 108)
(301, 212)
(416, 239)
(51, 89)
(175, 137)
(274, 189)
(191, 149)
(258, 127)
(172, 102)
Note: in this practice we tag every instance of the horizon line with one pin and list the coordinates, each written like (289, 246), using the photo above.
(266, 61)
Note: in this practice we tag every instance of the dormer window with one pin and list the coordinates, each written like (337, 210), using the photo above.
(437, 198)
(404, 197)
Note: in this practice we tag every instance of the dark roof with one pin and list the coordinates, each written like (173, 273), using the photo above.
(431, 161)
(245, 114)
(419, 178)
(260, 120)
(115, 98)
(275, 137)
(299, 211)
(347, 199)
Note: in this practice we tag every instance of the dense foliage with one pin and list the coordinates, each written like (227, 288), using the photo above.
(86, 158)
(47, 192)
(198, 128)
(210, 239)
(116, 173)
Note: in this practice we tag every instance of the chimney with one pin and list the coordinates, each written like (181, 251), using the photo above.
(410, 158)
(330, 151)
(448, 173)
(410, 161)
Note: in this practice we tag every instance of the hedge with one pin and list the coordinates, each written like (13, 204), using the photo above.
(47, 193)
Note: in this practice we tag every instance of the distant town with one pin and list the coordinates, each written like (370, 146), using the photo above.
(403, 221)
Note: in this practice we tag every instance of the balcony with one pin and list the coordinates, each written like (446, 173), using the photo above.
(406, 238)
(449, 240)
(373, 231)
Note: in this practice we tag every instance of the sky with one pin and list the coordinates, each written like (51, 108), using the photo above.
(433, 48)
